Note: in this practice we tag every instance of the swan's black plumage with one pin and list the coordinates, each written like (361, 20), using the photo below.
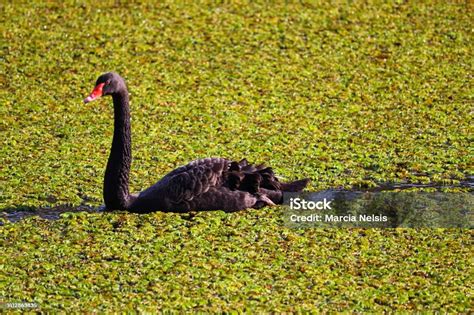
(205, 184)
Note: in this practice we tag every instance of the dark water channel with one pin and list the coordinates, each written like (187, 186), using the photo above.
(54, 212)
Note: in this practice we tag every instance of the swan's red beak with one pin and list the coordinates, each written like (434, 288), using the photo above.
(96, 93)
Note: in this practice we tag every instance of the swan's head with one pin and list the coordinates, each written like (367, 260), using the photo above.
(107, 84)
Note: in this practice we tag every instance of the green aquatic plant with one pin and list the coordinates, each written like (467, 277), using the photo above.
(348, 94)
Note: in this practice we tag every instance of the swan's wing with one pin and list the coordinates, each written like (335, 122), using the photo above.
(189, 181)
(212, 183)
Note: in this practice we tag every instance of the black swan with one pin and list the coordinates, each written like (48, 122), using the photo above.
(205, 184)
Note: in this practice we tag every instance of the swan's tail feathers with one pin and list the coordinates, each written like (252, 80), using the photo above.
(251, 182)
(247, 177)
(296, 186)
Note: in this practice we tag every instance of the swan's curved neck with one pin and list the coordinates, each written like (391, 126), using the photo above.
(116, 194)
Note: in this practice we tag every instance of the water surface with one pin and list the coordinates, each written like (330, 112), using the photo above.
(54, 212)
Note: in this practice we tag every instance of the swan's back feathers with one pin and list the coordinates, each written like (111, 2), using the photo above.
(195, 179)
(217, 165)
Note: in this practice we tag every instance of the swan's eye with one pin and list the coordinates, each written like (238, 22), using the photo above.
(107, 82)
